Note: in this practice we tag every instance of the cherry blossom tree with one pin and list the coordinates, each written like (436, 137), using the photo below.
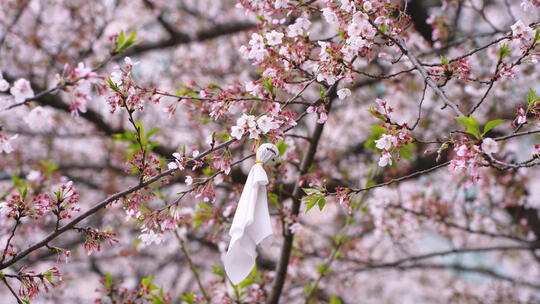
(408, 133)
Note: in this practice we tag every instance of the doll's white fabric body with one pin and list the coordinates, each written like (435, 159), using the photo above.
(251, 224)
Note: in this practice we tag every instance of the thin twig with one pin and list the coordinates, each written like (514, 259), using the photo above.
(192, 267)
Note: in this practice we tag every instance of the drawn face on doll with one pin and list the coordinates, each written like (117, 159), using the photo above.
(268, 154)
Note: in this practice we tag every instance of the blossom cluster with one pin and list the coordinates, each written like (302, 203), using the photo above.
(65, 204)
(94, 237)
(126, 93)
(522, 36)
(467, 159)
(81, 78)
(395, 137)
(31, 282)
(255, 127)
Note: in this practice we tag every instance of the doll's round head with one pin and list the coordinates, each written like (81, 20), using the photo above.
(268, 154)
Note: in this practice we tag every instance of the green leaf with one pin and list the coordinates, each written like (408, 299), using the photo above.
(310, 203)
(376, 132)
(282, 147)
(214, 86)
(132, 35)
(492, 124)
(112, 85)
(341, 34)
(443, 60)
(152, 132)
(23, 192)
(335, 300)
(370, 183)
(218, 270)
(108, 279)
(207, 171)
(48, 276)
(307, 289)
(531, 98)
(245, 283)
(321, 202)
(273, 199)
(121, 38)
(315, 197)
(268, 85)
(406, 152)
(205, 206)
(322, 93)
(124, 44)
(188, 297)
(147, 281)
(310, 190)
(322, 270)
(471, 124)
(504, 51)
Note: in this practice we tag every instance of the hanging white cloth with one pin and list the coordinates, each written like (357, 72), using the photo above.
(251, 223)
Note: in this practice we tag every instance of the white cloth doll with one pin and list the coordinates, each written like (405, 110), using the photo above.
(251, 224)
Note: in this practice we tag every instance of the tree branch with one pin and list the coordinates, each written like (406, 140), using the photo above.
(182, 38)
(281, 268)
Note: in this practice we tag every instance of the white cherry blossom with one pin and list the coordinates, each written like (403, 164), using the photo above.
(367, 6)
(256, 40)
(237, 132)
(176, 164)
(274, 37)
(281, 4)
(21, 90)
(343, 93)
(82, 71)
(253, 133)
(385, 142)
(266, 124)
(330, 16)
(149, 237)
(489, 146)
(4, 85)
(245, 119)
(385, 160)
(39, 119)
(5, 143)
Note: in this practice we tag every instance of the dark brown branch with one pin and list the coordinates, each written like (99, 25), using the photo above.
(281, 268)
(448, 252)
(182, 38)
(457, 267)
(401, 44)
(399, 179)
(81, 217)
